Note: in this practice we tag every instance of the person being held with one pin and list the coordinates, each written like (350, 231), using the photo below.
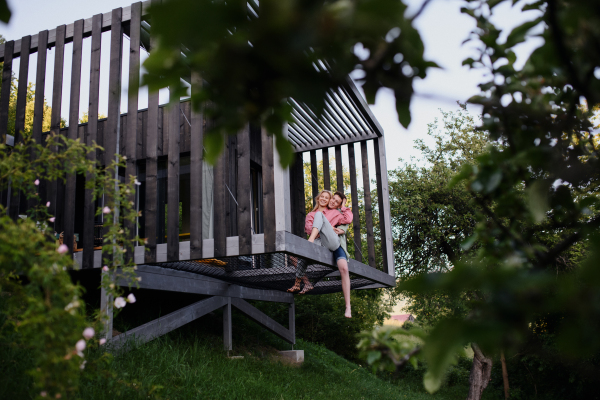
(322, 224)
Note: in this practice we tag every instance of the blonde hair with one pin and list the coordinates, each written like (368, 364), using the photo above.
(319, 195)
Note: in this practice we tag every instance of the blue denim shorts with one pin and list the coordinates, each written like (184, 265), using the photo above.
(340, 253)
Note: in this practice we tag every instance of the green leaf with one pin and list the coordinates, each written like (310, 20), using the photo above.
(403, 109)
(537, 199)
(5, 13)
(520, 32)
(213, 143)
(373, 356)
(432, 382)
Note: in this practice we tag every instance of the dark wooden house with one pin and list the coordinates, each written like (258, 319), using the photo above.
(246, 213)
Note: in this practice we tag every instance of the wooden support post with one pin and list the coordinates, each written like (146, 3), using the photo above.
(132, 112)
(281, 178)
(314, 178)
(368, 206)
(70, 187)
(326, 173)
(196, 165)
(263, 319)
(113, 123)
(220, 193)
(55, 117)
(227, 326)
(354, 197)
(6, 86)
(173, 180)
(383, 198)
(244, 186)
(268, 191)
(151, 168)
(292, 321)
(298, 197)
(167, 323)
(106, 307)
(38, 107)
(15, 200)
(339, 169)
(89, 207)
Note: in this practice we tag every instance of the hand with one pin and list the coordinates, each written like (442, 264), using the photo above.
(344, 202)
(339, 231)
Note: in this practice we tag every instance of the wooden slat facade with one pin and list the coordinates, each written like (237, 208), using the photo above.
(38, 107)
(196, 165)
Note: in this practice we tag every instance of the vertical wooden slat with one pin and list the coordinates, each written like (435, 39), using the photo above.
(355, 209)
(57, 84)
(113, 122)
(326, 173)
(173, 181)
(4, 104)
(368, 207)
(220, 206)
(132, 107)
(89, 210)
(298, 200)
(196, 161)
(227, 326)
(339, 169)
(268, 191)
(38, 106)
(314, 175)
(13, 211)
(244, 189)
(383, 198)
(70, 187)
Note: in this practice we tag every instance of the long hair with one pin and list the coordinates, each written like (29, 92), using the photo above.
(319, 195)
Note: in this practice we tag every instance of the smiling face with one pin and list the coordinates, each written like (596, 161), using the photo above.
(324, 199)
(335, 202)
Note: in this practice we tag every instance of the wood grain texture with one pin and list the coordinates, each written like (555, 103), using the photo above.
(244, 190)
(354, 197)
(368, 205)
(220, 205)
(314, 178)
(89, 208)
(38, 107)
(339, 169)
(6, 86)
(15, 200)
(173, 181)
(55, 187)
(268, 191)
(383, 198)
(112, 126)
(132, 107)
(326, 172)
(70, 186)
(196, 165)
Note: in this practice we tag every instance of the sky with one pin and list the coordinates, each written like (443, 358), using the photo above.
(442, 27)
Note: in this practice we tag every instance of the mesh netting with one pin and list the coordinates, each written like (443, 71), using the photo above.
(276, 271)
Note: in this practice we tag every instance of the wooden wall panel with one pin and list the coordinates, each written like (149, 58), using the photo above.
(268, 192)
(244, 190)
(196, 161)
(368, 206)
(173, 181)
(355, 208)
(38, 107)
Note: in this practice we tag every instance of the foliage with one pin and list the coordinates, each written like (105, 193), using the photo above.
(276, 50)
(537, 192)
(42, 309)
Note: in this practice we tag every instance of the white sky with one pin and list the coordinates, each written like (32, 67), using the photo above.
(442, 26)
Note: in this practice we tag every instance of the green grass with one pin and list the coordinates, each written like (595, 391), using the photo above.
(183, 365)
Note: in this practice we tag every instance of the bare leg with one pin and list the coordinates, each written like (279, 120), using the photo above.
(343, 267)
(296, 286)
(313, 234)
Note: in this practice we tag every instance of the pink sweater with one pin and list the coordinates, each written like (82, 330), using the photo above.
(334, 217)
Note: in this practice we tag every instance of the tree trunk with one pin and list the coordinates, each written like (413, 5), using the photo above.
(504, 376)
(480, 373)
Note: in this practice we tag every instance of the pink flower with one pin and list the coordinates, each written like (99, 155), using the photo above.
(44, 393)
(120, 302)
(80, 345)
(106, 210)
(131, 298)
(48, 204)
(51, 219)
(102, 341)
(36, 182)
(88, 333)
(62, 249)
(105, 268)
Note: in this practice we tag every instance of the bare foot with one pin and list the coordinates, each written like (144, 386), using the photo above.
(296, 286)
(307, 287)
(348, 313)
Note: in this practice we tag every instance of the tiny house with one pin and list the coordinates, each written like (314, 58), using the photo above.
(233, 231)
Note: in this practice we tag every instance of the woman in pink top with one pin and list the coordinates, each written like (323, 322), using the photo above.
(320, 225)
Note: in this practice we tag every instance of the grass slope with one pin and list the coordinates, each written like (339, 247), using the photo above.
(183, 366)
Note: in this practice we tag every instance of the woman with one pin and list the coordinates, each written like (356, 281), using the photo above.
(320, 225)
